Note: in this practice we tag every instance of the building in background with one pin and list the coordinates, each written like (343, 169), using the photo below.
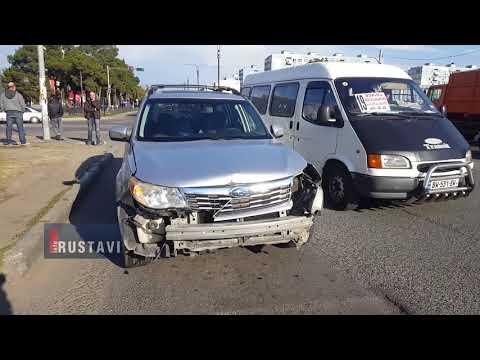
(430, 74)
(283, 59)
(232, 82)
(242, 73)
(287, 59)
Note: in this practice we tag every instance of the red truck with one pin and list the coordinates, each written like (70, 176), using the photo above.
(461, 97)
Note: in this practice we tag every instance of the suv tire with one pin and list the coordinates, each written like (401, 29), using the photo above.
(131, 260)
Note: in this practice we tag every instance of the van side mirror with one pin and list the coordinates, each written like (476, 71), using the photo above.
(443, 110)
(277, 131)
(120, 133)
(326, 114)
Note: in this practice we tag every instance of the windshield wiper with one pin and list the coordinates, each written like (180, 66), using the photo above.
(419, 113)
(384, 114)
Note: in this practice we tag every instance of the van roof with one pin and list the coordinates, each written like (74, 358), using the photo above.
(332, 70)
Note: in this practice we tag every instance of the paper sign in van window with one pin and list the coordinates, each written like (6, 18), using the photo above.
(372, 102)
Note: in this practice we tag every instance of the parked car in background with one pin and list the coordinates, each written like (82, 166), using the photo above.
(30, 116)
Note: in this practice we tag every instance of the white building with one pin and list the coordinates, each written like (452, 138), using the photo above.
(233, 82)
(430, 74)
(242, 73)
(284, 59)
(287, 59)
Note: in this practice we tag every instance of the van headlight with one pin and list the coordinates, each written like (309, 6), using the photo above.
(156, 197)
(468, 156)
(376, 161)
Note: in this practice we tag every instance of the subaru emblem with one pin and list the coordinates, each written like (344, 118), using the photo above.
(240, 192)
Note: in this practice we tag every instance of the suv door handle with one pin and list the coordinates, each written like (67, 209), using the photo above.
(291, 124)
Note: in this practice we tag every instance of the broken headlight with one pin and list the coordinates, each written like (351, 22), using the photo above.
(155, 196)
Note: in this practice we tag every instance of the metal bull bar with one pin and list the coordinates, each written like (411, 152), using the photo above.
(460, 166)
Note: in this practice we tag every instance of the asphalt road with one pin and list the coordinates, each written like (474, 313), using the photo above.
(382, 258)
(75, 130)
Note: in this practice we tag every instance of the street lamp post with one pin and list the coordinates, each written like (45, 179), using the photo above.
(109, 90)
(197, 67)
(218, 65)
(43, 92)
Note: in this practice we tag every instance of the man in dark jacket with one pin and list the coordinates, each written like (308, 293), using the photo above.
(13, 104)
(92, 114)
(55, 113)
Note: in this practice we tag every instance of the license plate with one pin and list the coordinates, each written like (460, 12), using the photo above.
(443, 184)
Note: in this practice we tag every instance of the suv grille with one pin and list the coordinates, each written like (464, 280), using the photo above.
(223, 200)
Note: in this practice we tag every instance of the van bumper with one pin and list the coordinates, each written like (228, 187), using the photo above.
(398, 188)
(384, 187)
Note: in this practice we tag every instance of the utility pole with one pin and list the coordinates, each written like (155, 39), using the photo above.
(81, 90)
(43, 93)
(218, 65)
(380, 55)
(109, 90)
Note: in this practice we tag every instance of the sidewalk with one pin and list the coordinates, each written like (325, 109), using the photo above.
(103, 117)
(32, 181)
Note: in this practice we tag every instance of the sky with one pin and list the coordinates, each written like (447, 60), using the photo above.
(167, 63)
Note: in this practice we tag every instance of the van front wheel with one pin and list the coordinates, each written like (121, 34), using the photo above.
(339, 190)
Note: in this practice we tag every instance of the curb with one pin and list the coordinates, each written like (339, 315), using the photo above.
(109, 117)
(19, 259)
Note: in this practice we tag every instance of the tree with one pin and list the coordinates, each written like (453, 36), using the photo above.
(88, 60)
(23, 71)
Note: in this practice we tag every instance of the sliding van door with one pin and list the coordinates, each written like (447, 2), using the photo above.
(282, 110)
(316, 140)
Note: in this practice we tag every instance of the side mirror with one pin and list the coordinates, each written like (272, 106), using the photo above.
(443, 110)
(277, 131)
(120, 133)
(326, 114)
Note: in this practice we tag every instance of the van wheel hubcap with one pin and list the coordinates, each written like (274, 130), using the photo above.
(337, 188)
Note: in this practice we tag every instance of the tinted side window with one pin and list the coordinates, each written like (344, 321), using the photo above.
(317, 95)
(259, 98)
(283, 100)
(312, 102)
(246, 91)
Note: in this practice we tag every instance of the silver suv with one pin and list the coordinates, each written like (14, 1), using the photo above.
(202, 172)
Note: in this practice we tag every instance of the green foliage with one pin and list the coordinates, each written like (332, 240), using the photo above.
(74, 66)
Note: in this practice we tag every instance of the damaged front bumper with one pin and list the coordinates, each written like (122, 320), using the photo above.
(281, 213)
(199, 237)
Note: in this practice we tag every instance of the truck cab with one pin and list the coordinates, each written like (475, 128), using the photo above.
(436, 94)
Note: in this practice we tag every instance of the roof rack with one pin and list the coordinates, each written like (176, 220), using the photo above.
(155, 87)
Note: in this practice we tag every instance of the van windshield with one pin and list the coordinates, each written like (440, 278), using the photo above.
(383, 96)
(193, 119)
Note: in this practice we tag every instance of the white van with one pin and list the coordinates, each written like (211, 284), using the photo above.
(368, 128)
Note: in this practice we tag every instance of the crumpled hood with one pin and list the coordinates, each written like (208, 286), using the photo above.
(9, 94)
(214, 163)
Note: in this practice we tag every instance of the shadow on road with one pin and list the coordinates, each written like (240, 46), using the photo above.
(5, 307)
(378, 204)
(96, 207)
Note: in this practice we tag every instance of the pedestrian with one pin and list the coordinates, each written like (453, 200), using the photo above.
(55, 113)
(92, 114)
(13, 104)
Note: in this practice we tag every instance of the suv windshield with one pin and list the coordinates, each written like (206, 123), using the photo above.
(383, 96)
(195, 119)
